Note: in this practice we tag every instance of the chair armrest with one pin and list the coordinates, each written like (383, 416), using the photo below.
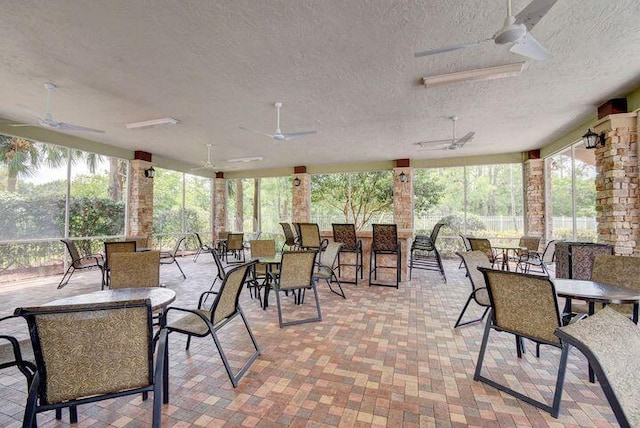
(202, 297)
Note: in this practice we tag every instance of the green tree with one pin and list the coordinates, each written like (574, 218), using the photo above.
(428, 190)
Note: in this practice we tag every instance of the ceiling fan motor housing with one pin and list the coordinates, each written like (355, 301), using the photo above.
(510, 32)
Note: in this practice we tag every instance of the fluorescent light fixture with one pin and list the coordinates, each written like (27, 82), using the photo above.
(247, 159)
(153, 122)
(497, 72)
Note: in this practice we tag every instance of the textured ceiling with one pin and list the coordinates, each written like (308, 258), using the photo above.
(343, 68)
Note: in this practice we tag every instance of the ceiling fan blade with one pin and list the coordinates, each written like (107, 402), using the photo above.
(448, 49)
(21, 125)
(528, 46)
(31, 112)
(291, 135)
(462, 141)
(256, 132)
(71, 127)
(533, 12)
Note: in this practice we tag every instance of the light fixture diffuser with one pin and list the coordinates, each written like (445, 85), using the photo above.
(497, 72)
(247, 159)
(153, 122)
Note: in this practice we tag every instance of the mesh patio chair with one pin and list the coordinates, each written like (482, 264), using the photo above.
(467, 247)
(309, 234)
(259, 275)
(80, 262)
(296, 275)
(202, 247)
(345, 233)
(538, 261)
(169, 257)
(115, 247)
(525, 306)
(113, 355)
(472, 260)
(385, 243)
(325, 269)
(623, 271)
(142, 241)
(484, 245)
(529, 247)
(202, 322)
(425, 255)
(235, 247)
(139, 269)
(611, 344)
(289, 237)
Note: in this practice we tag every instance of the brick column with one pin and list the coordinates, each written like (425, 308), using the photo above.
(534, 197)
(301, 200)
(403, 198)
(140, 200)
(219, 202)
(617, 202)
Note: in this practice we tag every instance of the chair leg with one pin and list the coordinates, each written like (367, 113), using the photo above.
(178, 264)
(459, 324)
(70, 271)
(341, 293)
(188, 342)
(195, 258)
(483, 349)
(73, 414)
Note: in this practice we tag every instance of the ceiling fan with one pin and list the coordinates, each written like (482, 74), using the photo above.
(279, 135)
(47, 120)
(208, 164)
(515, 31)
(451, 144)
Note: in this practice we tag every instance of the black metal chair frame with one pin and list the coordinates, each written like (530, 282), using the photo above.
(322, 264)
(492, 324)
(425, 255)
(534, 258)
(213, 329)
(373, 260)
(356, 250)
(169, 257)
(27, 368)
(78, 262)
(202, 247)
(475, 288)
(36, 400)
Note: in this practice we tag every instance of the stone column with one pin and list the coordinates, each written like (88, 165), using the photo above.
(140, 200)
(219, 208)
(534, 195)
(617, 202)
(403, 198)
(301, 210)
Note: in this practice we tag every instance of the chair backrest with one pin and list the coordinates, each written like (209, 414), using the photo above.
(531, 243)
(117, 247)
(329, 256)
(482, 244)
(434, 232)
(73, 251)
(309, 235)
(221, 271)
(549, 254)
(611, 343)
(465, 242)
(523, 304)
(130, 270)
(235, 241)
(345, 233)
(142, 241)
(226, 303)
(289, 238)
(263, 248)
(623, 271)
(176, 248)
(112, 347)
(296, 269)
(197, 235)
(472, 261)
(384, 237)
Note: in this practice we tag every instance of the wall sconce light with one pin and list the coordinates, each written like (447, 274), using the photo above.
(296, 181)
(402, 177)
(593, 140)
(150, 172)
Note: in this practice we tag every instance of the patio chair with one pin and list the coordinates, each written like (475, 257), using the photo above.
(142, 241)
(345, 233)
(529, 246)
(472, 260)
(525, 306)
(533, 259)
(296, 275)
(425, 255)
(611, 344)
(623, 271)
(80, 262)
(113, 356)
(309, 234)
(202, 322)
(15, 357)
(484, 245)
(202, 247)
(467, 247)
(289, 237)
(385, 243)
(115, 247)
(139, 269)
(235, 247)
(169, 257)
(325, 269)
(258, 275)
